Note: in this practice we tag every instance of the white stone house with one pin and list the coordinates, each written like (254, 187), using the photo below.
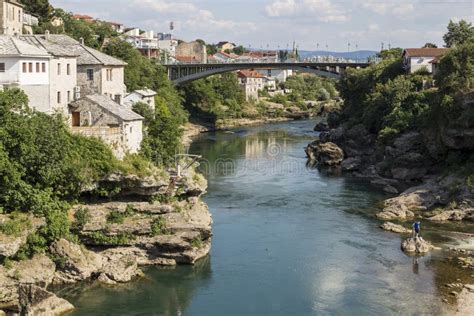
(26, 67)
(97, 73)
(62, 72)
(279, 75)
(146, 96)
(11, 17)
(415, 59)
(251, 83)
(99, 116)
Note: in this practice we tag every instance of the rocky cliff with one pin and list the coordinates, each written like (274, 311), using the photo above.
(153, 220)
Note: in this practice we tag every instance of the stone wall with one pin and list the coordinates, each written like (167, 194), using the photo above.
(193, 49)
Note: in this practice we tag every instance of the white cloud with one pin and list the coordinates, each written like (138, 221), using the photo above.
(322, 10)
(165, 7)
(383, 8)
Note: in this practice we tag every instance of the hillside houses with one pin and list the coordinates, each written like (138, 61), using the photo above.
(415, 59)
(13, 19)
(62, 75)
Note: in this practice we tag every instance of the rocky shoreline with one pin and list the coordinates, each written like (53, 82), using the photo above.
(409, 169)
(153, 221)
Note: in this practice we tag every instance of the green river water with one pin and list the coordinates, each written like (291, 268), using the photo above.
(288, 240)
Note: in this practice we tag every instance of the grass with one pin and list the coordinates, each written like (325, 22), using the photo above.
(159, 226)
(121, 239)
(17, 225)
(197, 242)
(118, 217)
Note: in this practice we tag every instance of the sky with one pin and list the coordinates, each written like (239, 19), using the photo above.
(339, 25)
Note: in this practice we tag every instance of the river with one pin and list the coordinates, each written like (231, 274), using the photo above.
(288, 240)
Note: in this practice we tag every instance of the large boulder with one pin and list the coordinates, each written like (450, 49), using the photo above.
(122, 269)
(454, 215)
(395, 228)
(36, 301)
(416, 245)
(76, 263)
(8, 290)
(409, 173)
(130, 184)
(38, 270)
(325, 154)
(351, 164)
(459, 139)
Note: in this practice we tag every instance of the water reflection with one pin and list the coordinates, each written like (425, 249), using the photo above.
(164, 291)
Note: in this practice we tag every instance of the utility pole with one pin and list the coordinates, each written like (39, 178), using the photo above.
(382, 46)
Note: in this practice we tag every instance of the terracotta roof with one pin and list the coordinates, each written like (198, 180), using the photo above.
(82, 17)
(186, 59)
(249, 74)
(425, 52)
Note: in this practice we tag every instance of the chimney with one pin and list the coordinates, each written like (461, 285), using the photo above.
(46, 34)
(81, 40)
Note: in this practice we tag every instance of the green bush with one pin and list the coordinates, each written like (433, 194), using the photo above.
(16, 225)
(159, 227)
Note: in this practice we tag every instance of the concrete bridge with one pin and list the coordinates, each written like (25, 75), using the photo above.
(184, 73)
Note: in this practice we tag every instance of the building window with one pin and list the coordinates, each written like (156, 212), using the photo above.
(30, 67)
(90, 74)
(2, 67)
(109, 74)
(25, 68)
(118, 98)
(59, 69)
(37, 67)
(59, 97)
(68, 69)
(43, 67)
(131, 130)
(69, 96)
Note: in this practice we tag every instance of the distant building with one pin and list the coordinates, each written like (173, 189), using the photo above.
(146, 96)
(415, 59)
(280, 75)
(11, 17)
(117, 27)
(99, 116)
(83, 17)
(225, 46)
(195, 50)
(251, 83)
(223, 57)
(259, 57)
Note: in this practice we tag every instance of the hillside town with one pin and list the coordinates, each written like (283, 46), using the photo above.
(60, 74)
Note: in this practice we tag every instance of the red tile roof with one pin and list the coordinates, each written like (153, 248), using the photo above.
(186, 59)
(425, 52)
(249, 74)
(82, 17)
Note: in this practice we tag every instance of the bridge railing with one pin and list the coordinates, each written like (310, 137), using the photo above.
(265, 61)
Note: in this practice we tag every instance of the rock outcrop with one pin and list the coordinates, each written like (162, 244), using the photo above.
(325, 153)
(395, 228)
(120, 270)
(10, 244)
(75, 262)
(34, 300)
(416, 246)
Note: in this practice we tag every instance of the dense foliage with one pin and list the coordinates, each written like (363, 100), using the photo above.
(216, 97)
(309, 88)
(388, 101)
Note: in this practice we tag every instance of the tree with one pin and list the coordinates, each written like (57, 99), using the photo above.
(239, 50)
(42, 8)
(458, 33)
(430, 45)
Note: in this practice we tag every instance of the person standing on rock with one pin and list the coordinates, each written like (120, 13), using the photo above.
(416, 229)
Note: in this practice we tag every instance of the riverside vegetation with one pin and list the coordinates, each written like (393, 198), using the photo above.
(70, 211)
(413, 138)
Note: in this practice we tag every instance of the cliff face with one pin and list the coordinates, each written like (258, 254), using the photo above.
(154, 220)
